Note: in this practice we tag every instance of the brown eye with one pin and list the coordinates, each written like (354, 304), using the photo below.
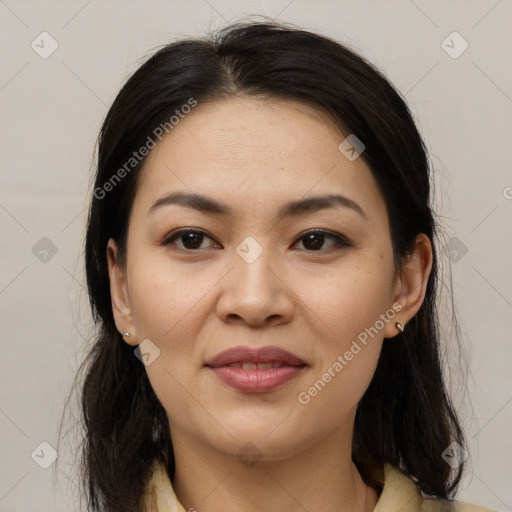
(191, 239)
(314, 240)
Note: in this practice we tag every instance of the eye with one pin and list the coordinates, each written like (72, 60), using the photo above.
(314, 240)
(191, 239)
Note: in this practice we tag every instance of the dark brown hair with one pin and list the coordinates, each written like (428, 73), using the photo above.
(405, 417)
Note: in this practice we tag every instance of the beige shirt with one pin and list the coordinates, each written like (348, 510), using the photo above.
(399, 494)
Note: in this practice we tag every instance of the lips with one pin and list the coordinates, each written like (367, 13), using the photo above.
(256, 370)
(249, 357)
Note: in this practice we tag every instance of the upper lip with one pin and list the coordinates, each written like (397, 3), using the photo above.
(244, 354)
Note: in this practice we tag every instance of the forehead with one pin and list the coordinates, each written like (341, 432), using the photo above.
(252, 150)
(240, 126)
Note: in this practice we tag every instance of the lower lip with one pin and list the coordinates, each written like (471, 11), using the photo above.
(256, 381)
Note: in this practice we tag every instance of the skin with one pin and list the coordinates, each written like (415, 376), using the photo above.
(194, 301)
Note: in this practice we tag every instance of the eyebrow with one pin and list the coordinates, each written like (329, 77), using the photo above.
(296, 208)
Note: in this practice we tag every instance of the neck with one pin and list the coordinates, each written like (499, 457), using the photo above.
(322, 478)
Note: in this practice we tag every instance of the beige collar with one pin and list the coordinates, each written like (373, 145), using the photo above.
(399, 493)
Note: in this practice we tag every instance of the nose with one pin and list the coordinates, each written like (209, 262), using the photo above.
(256, 292)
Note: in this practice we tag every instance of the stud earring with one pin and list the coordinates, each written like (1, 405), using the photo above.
(399, 326)
(126, 334)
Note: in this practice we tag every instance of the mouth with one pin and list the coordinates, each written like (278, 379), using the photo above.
(256, 370)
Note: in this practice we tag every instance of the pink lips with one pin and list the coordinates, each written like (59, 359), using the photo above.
(255, 370)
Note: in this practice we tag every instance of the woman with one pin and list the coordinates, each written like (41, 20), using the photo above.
(262, 269)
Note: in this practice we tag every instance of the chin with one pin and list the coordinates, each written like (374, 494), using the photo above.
(260, 440)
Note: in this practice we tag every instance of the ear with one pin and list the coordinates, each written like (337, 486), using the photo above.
(411, 284)
(119, 293)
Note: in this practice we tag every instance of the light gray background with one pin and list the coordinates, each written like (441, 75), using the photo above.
(52, 110)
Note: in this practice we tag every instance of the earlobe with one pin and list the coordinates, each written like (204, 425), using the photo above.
(121, 309)
(412, 283)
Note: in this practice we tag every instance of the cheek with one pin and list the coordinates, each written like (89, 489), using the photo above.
(166, 297)
(168, 310)
(352, 309)
(351, 298)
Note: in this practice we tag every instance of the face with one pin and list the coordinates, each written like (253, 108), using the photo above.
(252, 273)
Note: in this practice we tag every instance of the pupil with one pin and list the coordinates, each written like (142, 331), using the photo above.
(193, 238)
(314, 236)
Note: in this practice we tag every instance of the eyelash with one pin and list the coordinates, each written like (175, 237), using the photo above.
(340, 241)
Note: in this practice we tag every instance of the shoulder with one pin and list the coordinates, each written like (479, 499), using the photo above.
(159, 495)
(433, 505)
(400, 493)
